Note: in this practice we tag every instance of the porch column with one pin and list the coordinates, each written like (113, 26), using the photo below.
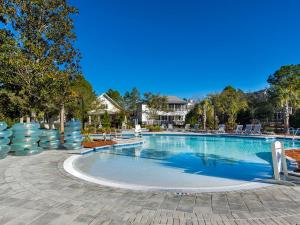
(90, 119)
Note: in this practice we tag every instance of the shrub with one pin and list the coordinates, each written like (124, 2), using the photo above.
(90, 129)
(87, 139)
(106, 120)
(103, 130)
(153, 128)
(295, 119)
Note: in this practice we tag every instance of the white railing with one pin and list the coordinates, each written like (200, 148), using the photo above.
(159, 122)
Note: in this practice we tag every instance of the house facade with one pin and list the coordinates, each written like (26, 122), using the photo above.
(175, 114)
(106, 104)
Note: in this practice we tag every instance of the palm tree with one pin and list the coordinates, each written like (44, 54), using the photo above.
(285, 88)
(206, 106)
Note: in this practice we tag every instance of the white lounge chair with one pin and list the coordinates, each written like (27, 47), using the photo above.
(239, 129)
(187, 127)
(256, 129)
(138, 130)
(248, 129)
(170, 126)
(221, 128)
(163, 127)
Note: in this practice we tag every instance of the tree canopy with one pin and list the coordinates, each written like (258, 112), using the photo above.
(115, 95)
(229, 102)
(131, 100)
(155, 103)
(285, 89)
(39, 64)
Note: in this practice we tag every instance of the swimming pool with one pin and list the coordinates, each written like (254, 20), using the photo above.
(182, 163)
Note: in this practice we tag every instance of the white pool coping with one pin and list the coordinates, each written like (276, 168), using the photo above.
(70, 168)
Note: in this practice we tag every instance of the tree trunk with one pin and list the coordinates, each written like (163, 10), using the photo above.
(204, 119)
(286, 117)
(50, 122)
(62, 123)
(62, 119)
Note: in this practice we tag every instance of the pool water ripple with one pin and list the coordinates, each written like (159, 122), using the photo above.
(207, 163)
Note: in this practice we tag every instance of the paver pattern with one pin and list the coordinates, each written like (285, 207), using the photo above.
(36, 190)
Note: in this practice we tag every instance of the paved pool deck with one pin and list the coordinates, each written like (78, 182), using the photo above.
(36, 190)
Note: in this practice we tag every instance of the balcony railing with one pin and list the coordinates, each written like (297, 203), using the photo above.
(160, 122)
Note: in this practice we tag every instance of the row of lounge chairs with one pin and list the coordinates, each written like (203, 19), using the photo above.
(240, 129)
(167, 127)
(248, 129)
(254, 129)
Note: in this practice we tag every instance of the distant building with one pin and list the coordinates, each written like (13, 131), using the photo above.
(175, 114)
(106, 104)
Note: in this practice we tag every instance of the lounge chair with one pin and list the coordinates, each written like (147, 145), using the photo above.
(294, 131)
(170, 126)
(163, 126)
(239, 129)
(195, 128)
(248, 129)
(138, 130)
(187, 127)
(256, 129)
(221, 128)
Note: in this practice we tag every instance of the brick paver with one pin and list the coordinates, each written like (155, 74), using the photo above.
(36, 190)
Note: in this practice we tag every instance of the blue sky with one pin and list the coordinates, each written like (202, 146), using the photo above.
(185, 47)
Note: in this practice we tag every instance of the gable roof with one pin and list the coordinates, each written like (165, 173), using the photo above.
(111, 100)
(175, 100)
(171, 99)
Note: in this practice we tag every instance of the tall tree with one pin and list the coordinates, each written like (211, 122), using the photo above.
(15, 85)
(193, 115)
(260, 106)
(84, 99)
(229, 102)
(206, 111)
(155, 104)
(285, 88)
(115, 95)
(131, 100)
(45, 37)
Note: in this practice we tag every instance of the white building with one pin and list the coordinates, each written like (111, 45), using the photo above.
(105, 104)
(175, 114)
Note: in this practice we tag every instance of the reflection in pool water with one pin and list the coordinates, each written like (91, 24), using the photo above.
(184, 162)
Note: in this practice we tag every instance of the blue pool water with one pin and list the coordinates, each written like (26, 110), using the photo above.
(184, 163)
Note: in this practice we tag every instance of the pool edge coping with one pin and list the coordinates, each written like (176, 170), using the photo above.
(69, 167)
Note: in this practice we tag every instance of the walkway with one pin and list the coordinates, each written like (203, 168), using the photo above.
(36, 190)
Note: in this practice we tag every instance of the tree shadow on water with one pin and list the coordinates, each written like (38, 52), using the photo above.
(205, 164)
(218, 166)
